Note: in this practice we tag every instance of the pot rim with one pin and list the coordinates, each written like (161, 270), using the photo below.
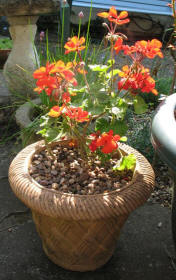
(38, 197)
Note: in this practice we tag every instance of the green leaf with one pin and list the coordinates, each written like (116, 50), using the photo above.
(112, 73)
(79, 102)
(95, 110)
(46, 121)
(77, 90)
(119, 127)
(98, 67)
(52, 134)
(102, 125)
(127, 163)
(140, 106)
(111, 62)
(123, 139)
(42, 132)
(101, 97)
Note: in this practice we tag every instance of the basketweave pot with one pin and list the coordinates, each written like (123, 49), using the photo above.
(79, 232)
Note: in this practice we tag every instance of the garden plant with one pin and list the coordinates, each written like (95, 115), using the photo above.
(81, 174)
(101, 105)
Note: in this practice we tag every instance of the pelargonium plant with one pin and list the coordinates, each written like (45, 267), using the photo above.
(92, 116)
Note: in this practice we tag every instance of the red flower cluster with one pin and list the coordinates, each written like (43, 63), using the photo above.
(134, 81)
(107, 141)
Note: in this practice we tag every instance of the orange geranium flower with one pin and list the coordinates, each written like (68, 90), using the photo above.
(150, 48)
(63, 71)
(114, 17)
(74, 45)
(44, 80)
(135, 81)
(43, 72)
(118, 45)
(55, 111)
(78, 114)
(144, 48)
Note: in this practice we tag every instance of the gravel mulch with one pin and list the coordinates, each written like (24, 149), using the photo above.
(68, 173)
(163, 186)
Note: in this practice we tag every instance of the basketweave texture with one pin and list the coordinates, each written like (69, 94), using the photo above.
(79, 232)
(79, 245)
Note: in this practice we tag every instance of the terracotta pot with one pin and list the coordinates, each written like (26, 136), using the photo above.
(3, 57)
(79, 232)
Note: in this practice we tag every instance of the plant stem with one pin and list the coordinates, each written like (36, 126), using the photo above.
(87, 34)
(112, 65)
(48, 148)
(84, 74)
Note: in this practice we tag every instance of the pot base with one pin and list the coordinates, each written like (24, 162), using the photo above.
(78, 245)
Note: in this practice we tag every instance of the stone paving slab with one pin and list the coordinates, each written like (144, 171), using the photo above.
(141, 253)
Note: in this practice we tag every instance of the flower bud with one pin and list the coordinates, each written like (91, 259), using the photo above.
(42, 35)
(82, 64)
(104, 24)
(81, 15)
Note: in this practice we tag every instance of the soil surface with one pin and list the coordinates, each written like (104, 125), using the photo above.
(66, 171)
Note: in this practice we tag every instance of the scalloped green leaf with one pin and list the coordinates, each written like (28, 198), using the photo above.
(119, 127)
(98, 67)
(52, 134)
(140, 106)
(102, 125)
(127, 163)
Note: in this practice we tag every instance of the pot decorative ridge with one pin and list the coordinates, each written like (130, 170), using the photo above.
(79, 232)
